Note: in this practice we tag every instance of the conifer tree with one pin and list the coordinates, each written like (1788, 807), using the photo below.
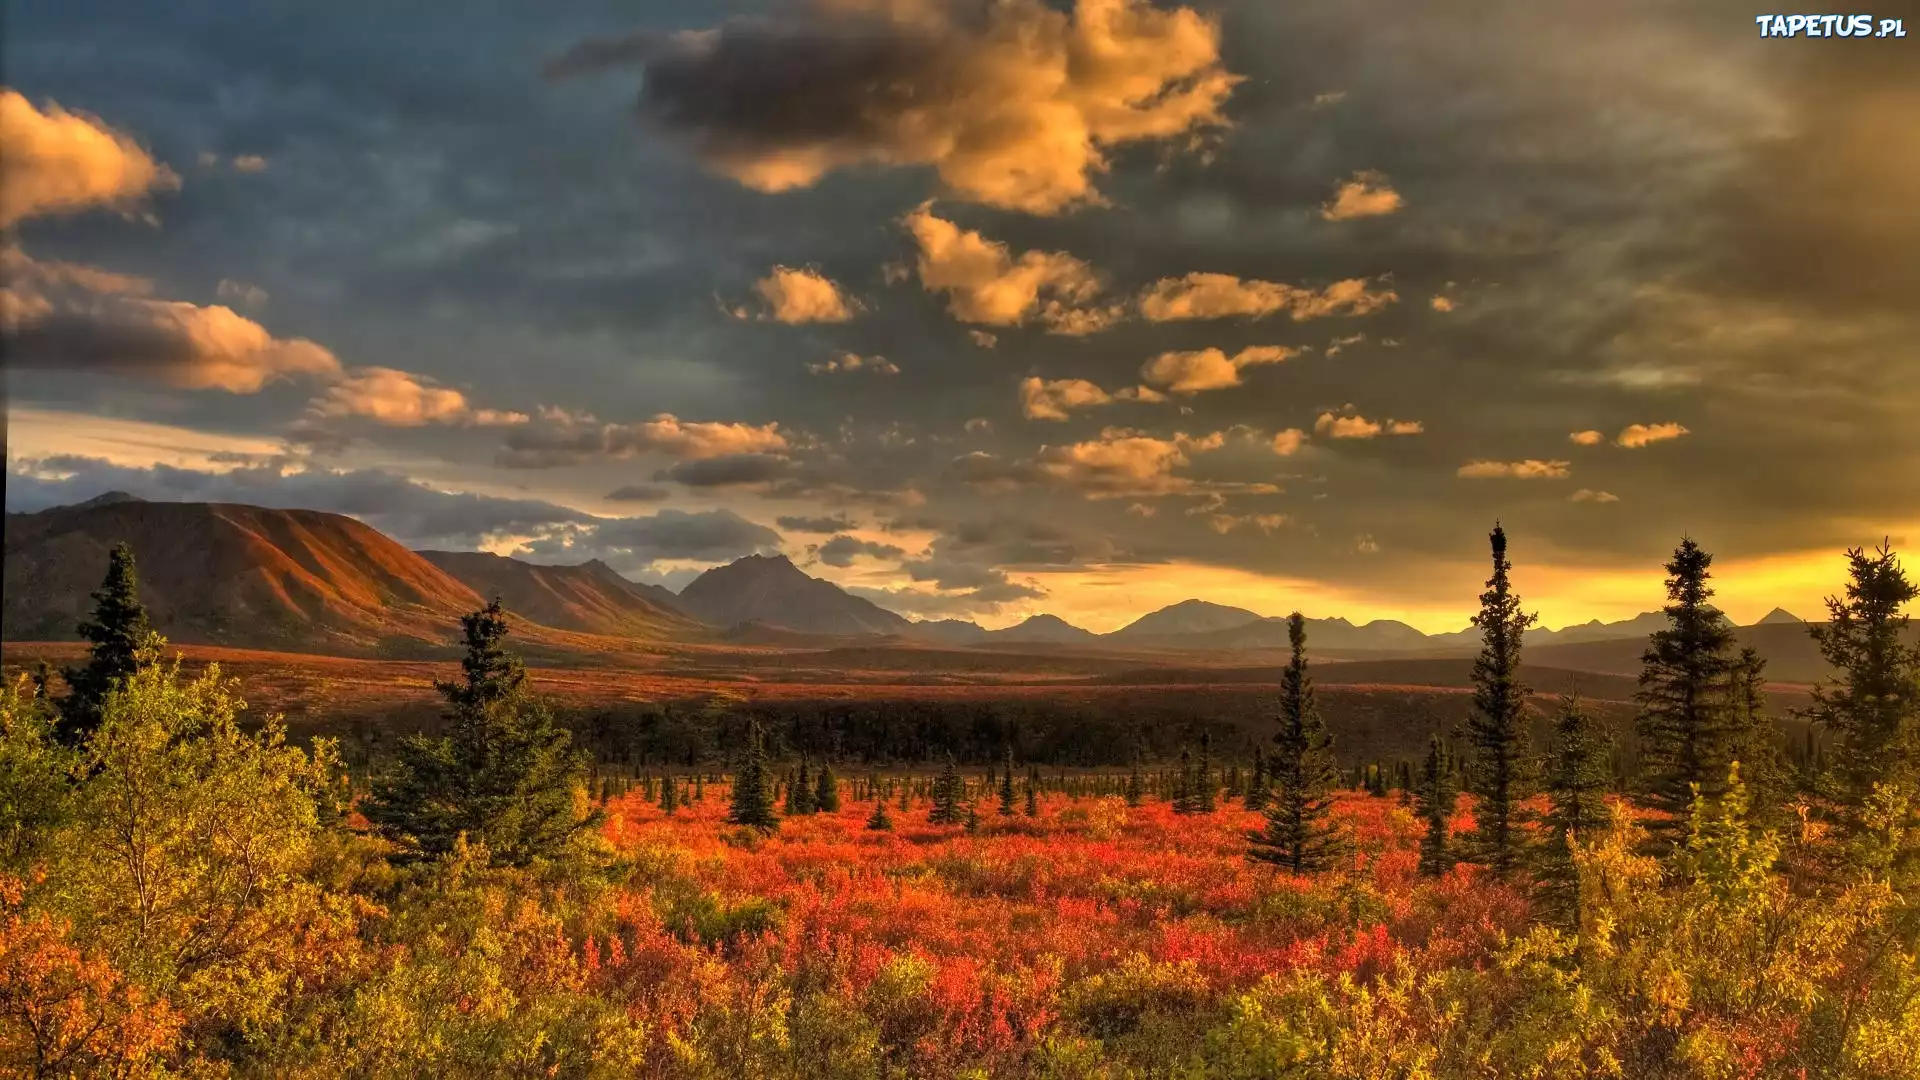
(1033, 797)
(878, 821)
(119, 636)
(1183, 784)
(948, 791)
(1685, 719)
(504, 775)
(906, 793)
(1201, 792)
(1756, 738)
(1006, 784)
(1577, 779)
(669, 795)
(800, 793)
(826, 793)
(1501, 770)
(1258, 784)
(1433, 800)
(1299, 834)
(752, 802)
(971, 820)
(700, 786)
(1871, 706)
(1136, 788)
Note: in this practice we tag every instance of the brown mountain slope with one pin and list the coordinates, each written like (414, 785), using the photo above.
(590, 597)
(770, 589)
(230, 574)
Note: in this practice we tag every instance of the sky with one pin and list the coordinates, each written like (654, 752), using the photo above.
(986, 309)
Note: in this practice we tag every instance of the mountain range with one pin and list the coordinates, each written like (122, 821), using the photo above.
(301, 579)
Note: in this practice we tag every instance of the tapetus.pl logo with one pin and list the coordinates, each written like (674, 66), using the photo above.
(1822, 26)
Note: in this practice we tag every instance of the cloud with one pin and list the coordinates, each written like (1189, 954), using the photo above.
(1590, 495)
(1339, 344)
(249, 295)
(637, 493)
(847, 362)
(414, 513)
(1015, 105)
(1053, 399)
(1226, 523)
(1328, 97)
(401, 399)
(978, 425)
(1365, 544)
(61, 162)
(842, 550)
(569, 439)
(1634, 436)
(802, 296)
(985, 284)
(1530, 469)
(1208, 369)
(1367, 194)
(1441, 304)
(1123, 462)
(1359, 427)
(983, 339)
(730, 470)
(66, 317)
(831, 524)
(1287, 442)
(249, 163)
(636, 543)
(1201, 295)
(1586, 438)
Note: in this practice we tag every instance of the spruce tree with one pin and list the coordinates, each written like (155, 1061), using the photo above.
(878, 821)
(1578, 775)
(826, 793)
(1136, 788)
(1433, 800)
(1006, 784)
(948, 791)
(1756, 738)
(504, 775)
(752, 802)
(1033, 797)
(669, 795)
(1257, 784)
(1501, 770)
(1685, 719)
(1200, 795)
(119, 636)
(1871, 707)
(800, 793)
(1299, 834)
(1183, 784)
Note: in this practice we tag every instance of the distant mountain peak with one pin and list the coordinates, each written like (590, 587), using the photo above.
(108, 498)
(769, 588)
(1779, 616)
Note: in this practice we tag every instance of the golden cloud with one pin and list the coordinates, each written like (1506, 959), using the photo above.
(1590, 495)
(564, 438)
(986, 284)
(1634, 436)
(60, 162)
(1586, 438)
(1053, 399)
(1288, 442)
(1192, 372)
(1530, 469)
(401, 399)
(803, 296)
(1124, 462)
(1014, 104)
(1367, 194)
(847, 362)
(1202, 295)
(1359, 427)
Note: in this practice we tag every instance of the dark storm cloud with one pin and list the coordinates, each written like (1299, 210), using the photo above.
(842, 550)
(729, 471)
(637, 493)
(829, 524)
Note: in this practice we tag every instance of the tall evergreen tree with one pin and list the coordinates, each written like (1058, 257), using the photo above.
(948, 792)
(1006, 784)
(752, 802)
(1872, 706)
(1299, 834)
(1183, 784)
(1033, 796)
(1501, 771)
(826, 791)
(1136, 789)
(1685, 719)
(1434, 795)
(118, 635)
(669, 795)
(1756, 738)
(1201, 793)
(800, 793)
(504, 774)
(1577, 779)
